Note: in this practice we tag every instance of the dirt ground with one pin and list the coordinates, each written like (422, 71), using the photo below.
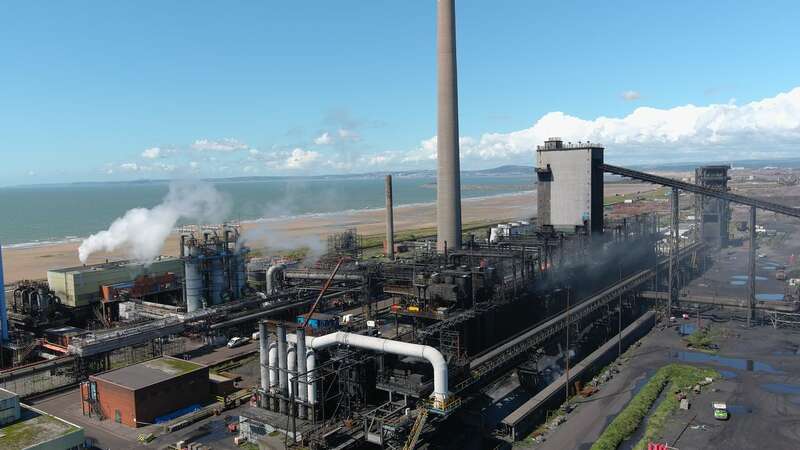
(760, 382)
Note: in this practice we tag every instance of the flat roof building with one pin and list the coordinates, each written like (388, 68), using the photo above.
(23, 427)
(149, 392)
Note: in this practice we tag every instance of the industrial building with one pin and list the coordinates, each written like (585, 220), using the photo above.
(215, 266)
(81, 286)
(570, 185)
(23, 427)
(713, 214)
(146, 393)
(364, 351)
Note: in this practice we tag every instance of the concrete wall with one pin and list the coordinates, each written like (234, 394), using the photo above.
(552, 396)
(9, 407)
(69, 441)
(576, 190)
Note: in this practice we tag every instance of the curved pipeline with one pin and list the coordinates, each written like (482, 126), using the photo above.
(433, 356)
(271, 282)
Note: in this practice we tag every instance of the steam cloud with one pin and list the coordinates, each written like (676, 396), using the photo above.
(142, 232)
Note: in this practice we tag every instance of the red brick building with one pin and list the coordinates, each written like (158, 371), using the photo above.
(139, 394)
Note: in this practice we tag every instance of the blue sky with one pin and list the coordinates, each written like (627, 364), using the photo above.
(90, 90)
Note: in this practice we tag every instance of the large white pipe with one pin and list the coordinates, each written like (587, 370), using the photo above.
(433, 356)
(273, 367)
(283, 380)
(311, 365)
(301, 370)
(292, 360)
(271, 273)
(263, 355)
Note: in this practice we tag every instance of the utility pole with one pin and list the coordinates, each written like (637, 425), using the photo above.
(673, 254)
(751, 270)
(619, 315)
(566, 354)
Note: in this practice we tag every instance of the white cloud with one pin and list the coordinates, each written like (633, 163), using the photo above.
(630, 96)
(323, 139)
(134, 167)
(348, 135)
(226, 145)
(299, 158)
(151, 153)
(764, 128)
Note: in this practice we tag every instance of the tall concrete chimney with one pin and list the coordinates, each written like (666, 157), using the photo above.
(389, 219)
(448, 181)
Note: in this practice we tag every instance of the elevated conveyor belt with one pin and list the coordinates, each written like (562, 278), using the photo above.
(515, 346)
(696, 189)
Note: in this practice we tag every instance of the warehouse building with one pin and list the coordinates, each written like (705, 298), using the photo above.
(150, 392)
(23, 427)
(82, 286)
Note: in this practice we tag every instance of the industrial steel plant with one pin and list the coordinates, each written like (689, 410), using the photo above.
(405, 350)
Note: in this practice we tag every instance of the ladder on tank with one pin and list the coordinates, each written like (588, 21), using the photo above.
(416, 430)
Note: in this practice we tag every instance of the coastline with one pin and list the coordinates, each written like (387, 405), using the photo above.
(32, 262)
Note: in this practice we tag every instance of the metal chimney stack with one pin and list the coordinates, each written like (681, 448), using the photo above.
(448, 182)
(389, 219)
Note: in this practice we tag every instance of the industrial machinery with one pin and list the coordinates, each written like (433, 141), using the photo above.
(214, 265)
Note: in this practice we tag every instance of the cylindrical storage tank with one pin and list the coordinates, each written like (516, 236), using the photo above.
(217, 280)
(193, 280)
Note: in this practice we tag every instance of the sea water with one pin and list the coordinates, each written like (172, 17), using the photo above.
(33, 215)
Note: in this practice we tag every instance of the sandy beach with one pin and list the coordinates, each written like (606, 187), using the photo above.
(33, 262)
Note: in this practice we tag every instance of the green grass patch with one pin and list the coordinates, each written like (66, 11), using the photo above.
(701, 339)
(650, 195)
(34, 430)
(676, 376)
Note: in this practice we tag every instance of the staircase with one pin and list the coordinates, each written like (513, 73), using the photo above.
(416, 430)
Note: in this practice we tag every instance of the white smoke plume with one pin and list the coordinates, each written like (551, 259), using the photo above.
(142, 231)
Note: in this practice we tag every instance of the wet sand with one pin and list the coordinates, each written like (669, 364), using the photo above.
(33, 262)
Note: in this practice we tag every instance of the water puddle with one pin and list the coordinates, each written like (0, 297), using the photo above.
(738, 283)
(727, 374)
(781, 388)
(769, 297)
(745, 277)
(739, 409)
(687, 329)
(787, 352)
(735, 363)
